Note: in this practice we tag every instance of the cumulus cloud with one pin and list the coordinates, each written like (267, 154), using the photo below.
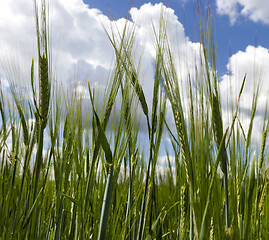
(254, 62)
(80, 46)
(82, 50)
(186, 52)
(79, 41)
(257, 11)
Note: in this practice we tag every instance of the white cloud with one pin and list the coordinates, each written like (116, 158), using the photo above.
(186, 53)
(79, 42)
(254, 62)
(77, 37)
(85, 53)
(163, 160)
(254, 10)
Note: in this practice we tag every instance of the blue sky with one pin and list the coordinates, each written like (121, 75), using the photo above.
(82, 51)
(230, 37)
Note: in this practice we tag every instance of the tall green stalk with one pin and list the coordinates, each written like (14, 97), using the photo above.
(44, 87)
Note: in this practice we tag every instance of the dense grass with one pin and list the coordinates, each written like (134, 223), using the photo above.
(94, 181)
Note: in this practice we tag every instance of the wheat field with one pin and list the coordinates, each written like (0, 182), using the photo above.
(93, 180)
